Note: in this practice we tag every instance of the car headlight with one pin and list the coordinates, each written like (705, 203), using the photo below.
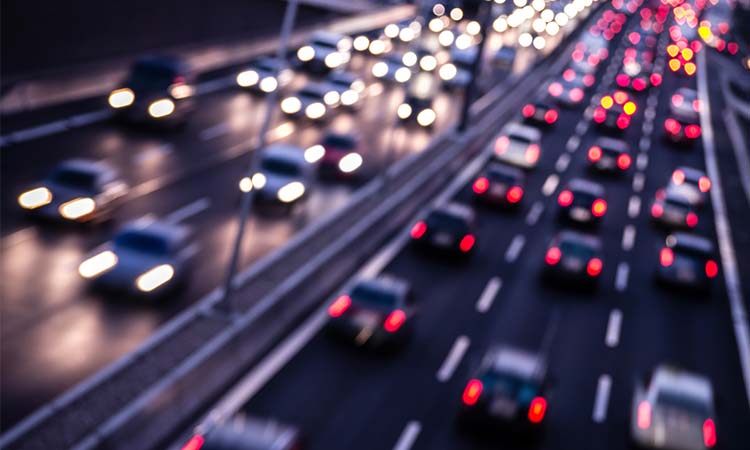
(180, 91)
(161, 108)
(361, 43)
(153, 278)
(409, 59)
(259, 180)
(350, 162)
(349, 97)
(377, 47)
(404, 111)
(77, 208)
(291, 105)
(426, 117)
(448, 72)
(97, 264)
(333, 60)
(291, 192)
(428, 63)
(315, 110)
(247, 78)
(121, 98)
(306, 53)
(331, 98)
(268, 84)
(35, 198)
(314, 153)
(446, 37)
(246, 184)
(379, 69)
(402, 75)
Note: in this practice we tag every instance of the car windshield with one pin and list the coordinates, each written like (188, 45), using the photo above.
(444, 221)
(148, 76)
(74, 179)
(266, 65)
(676, 400)
(339, 141)
(373, 296)
(583, 198)
(311, 94)
(687, 250)
(324, 43)
(280, 166)
(519, 138)
(143, 242)
(501, 177)
(577, 250)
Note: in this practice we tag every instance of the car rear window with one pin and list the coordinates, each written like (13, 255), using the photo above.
(509, 385)
(324, 43)
(373, 296)
(280, 166)
(142, 242)
(339, 141)
(74, 178)
(668, 398)
(569, 248)
(444, 221)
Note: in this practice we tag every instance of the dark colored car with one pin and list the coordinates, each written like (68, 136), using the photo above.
(540, 113)
(673, 210)
(683, 123)
(609, 155)
(500, 185)
(574, 258)
(447, 229)
(614, 112)
(342, 156)
(687, 260)
(582, 202)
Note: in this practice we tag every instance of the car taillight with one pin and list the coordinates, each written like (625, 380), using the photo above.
(553, 256)
(537, 409)
(195, 443)
(576, 95)
(712, 269)
(501, 144)
(677, 100)
(594, 267)
(639, 84)
(514, 195)
(709, 433)
(472, 392)
(418, 230)
(697, 105)
(644, 415)
(657, 210)
(340, 306)
(394, 321)
(674, 65)
(623, 121)
(528, 111)
(555, 89)
(565, 198)
(588, 80)
(467, 243)
(600, 114)
(704, 184)
(623, 161)
(599, 207)
(622, 80)
(672, 126)
(532, 154)
(481, 185)
(666, 257)
(550, 116)
(656, 79)
(678, 177)
(569, 75)
(691, 220)
(595, 153)
(692, 131)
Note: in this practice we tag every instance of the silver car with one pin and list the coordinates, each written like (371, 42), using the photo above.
(518, 145)
(284, 176)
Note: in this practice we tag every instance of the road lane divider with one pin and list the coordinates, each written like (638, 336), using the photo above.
(628, 237)
(534, 213)
(634, 206)
(489, 294)
(601, 401)
(550, 184)
(515, 247)
(408, 436)
(621, 277)
(612, 337)
(453, 359)
(191, 209)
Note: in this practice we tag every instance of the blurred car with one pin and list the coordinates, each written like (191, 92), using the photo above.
(673, 409)
(567, 93)
(456, 74)
(377, 312)
(518, 145)
(146, 257)
(683, 123)
(637, 76)
(500, 185)
(687, 260)
(506, 393)
(284, 177)
(673, 210)
(540, 113)
(391, 68)
(426, 56)
(247, 433)
(348, 86)
(79, 190)
(574, 257)
(447, 229)
(265, 75)
(504, 58)
(338, 155)
(614, 112)
(609, 155)
(314, 101)
(325, 51)
(691, 183)
(582, 201)
(417, 105)
(159, 90)
(681, 60)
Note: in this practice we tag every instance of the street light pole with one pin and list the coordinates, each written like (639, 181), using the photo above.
(226, 302)
(485, 11)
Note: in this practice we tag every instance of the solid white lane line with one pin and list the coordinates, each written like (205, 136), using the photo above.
(638, 181)
(453, 359)
(515, 247)
(628, 237)
(562, 162)
(488, 295)
(612, 338)
(188, 210)
(723, 230)
(215, 131)
(550, 184)
(621, 278)
(534, 213)
(603, 387)
(408, 436)
(80, 120)
(642, 161)
(572, 143)
(634, 206)
(39, 131)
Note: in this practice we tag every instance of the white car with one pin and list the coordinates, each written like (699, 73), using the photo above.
(518, 145)
(284, 176)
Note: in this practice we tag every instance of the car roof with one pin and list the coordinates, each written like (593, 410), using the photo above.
(510, 360)
(608, 143)
(687, 92)
(592, 187)
(270, 61)
(457, 210)
(690, 241)
(526, 131)
(286, 152)
(316, 88)
(146, 225)
(169, 62)
(387, 283)
(686, 383)
(250, 433)
(504, 169)
(327, 36)
(673, 196)
(576, 237)
(342, 75)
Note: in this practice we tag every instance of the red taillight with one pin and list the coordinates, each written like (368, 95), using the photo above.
(472, 392)
(677, 100)
(692, 131)
(712, 269)
(639, 84)
(599, 207)
(576, 94)
(623, 121)
(481, 185)
(550, 116)
(394, 321)
(657, 210)
(532, 154)
(704, 184)
(691, 220)
(340, 306)
(644, 415)
(588, 80)
(528, 111)
(600, 114)
(623, 161)
(467, 243)
(672, 126)
(595, 153)
(565, 198)
(733, 48)
(622, 80)
(553, 256)
(555, 89)
(514, 195)
(418, 230)
(697, 106)
(537, 409)
(195, 443)
(709, 433)
(666, 257)
(655, 79)
(594, 267)
(678, 177)
(501, 144)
